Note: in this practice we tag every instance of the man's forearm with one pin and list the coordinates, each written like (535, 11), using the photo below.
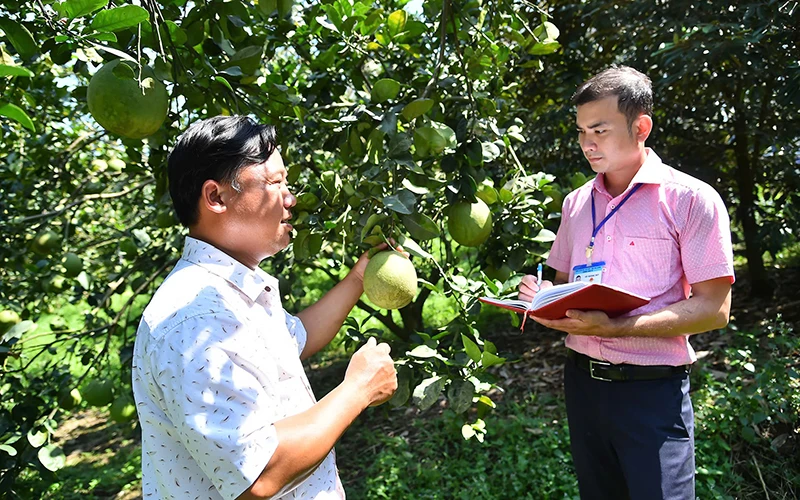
(687, 317)
(305, 439)
(323, 319)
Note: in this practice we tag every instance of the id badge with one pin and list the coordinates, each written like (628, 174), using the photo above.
(591, 273)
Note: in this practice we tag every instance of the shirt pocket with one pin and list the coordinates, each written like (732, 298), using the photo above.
(648, 262)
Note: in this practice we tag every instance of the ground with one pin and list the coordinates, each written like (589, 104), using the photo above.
(535, 364)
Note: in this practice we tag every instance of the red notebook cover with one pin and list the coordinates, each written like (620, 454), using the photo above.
(594, 297)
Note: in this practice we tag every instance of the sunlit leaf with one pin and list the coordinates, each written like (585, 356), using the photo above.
(416, 108)
(20, 38)
(119, 18)
(52, 457)
(17, 114)
(6, 70)
(78, 8)
(385, 89)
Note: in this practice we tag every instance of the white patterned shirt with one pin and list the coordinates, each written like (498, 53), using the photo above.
(216, 364)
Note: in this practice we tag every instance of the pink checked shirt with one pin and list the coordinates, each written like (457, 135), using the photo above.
(672, 232)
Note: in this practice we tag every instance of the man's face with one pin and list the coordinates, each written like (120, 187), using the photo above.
(604, 137)
(259, 212)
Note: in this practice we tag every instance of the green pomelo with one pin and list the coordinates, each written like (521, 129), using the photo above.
(390, 280)
(69, 400)
(122, 409)
(98, 392)
(73, 265)
(470, 224)
(46, 242)
(121, 106)
(8, 318)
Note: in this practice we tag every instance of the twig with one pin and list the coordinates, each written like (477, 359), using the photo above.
(103, 196)
(760, 477)
(442, 40)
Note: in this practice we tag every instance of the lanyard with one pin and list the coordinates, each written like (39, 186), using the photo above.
(597, 227)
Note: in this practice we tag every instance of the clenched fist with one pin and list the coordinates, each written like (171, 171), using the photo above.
(372, 369)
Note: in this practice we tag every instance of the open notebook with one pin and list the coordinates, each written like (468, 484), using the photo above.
(553, 302)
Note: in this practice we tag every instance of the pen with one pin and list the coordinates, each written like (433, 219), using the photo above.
(539, 275)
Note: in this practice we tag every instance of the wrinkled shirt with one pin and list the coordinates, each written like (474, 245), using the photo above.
(673, 232)
(216, 363)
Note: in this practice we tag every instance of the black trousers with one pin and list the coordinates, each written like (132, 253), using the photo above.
(631, 440)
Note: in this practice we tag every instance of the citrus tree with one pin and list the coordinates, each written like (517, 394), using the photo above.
(399, 122)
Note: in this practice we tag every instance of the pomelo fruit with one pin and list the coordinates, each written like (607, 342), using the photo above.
(470, 224)
(46, 242)
(390, 280)
(68, 400)
(122, 409)
(121, 106)
(98, 392)
(8, 318)
(73, 265)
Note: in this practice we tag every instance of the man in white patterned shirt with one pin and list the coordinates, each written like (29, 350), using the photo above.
(225, 407)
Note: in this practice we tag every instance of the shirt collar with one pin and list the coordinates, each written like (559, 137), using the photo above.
(652, 171)
(251, 282)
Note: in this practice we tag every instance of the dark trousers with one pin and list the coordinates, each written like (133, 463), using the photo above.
(631, 440)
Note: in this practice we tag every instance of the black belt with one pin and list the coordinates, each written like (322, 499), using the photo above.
(603, 370)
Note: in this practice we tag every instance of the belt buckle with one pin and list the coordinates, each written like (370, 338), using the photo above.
(592, 364)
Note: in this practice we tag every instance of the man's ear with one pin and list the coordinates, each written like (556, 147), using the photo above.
(643, 127)
(212, 197)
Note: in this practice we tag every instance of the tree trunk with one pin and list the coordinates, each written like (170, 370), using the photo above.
(745, 212)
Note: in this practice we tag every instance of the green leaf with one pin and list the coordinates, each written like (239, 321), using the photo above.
(459, 394)
(403, 391)
(37, 437)
(403, 202)
(434, 139)
(223, 81)
(6, 70)
(546, 31)
(119, 18)
(52, 457)
(545, 236)
(78, 8)
(372, 221)
(423, 351)
(17, 114)
(421, 227)
(413, 247)
(427, 392)
(8, 449)
(20, 38)
(385, 89)
(416, 108)
(488, 359)
(472, 349)
(544, 48)
(396, 22)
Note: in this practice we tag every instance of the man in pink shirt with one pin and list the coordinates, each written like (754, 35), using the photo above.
(652, 230)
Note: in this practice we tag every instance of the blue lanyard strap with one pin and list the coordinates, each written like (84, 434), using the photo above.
(595, 227)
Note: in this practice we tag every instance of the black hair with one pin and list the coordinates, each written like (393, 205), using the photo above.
(633, 89)
(214, 149)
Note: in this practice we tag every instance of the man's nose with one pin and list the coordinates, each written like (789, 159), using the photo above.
(289, 200)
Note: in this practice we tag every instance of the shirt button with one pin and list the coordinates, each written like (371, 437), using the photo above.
(608, 238)
(613, 206)
(268, 289)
